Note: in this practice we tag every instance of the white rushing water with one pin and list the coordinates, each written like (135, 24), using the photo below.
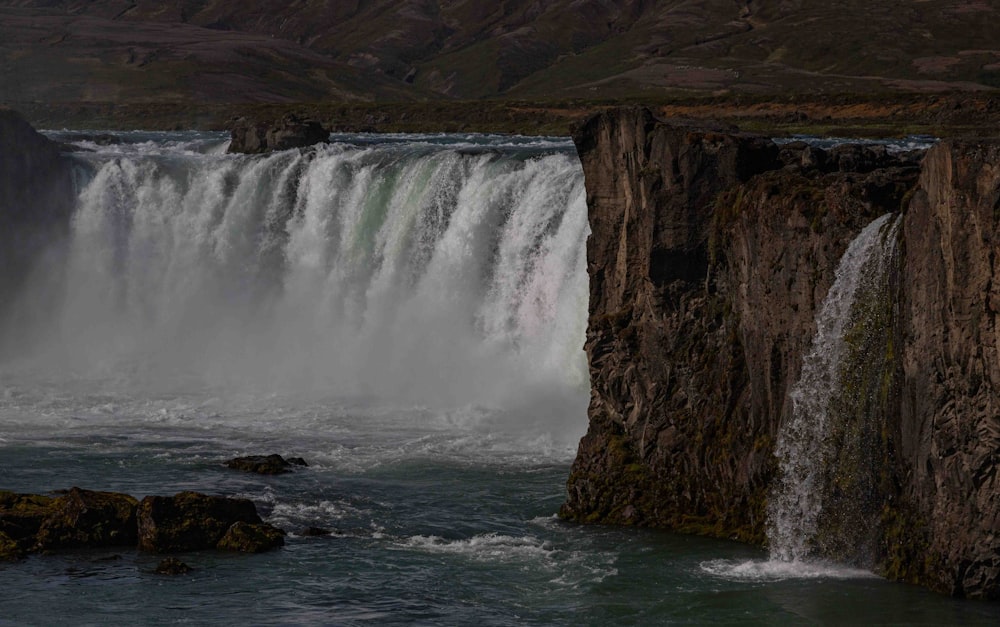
(802, 448)
(429, 271)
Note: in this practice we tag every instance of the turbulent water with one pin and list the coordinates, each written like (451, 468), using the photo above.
(408, 314)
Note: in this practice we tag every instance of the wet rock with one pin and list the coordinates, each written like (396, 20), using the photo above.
(315, 532)
(252, 538)
(704, 288)
(9, 549)
(255, 137)
(189, 521)
(21, 516)
(85, 518)
(172, 566)
(265, 464)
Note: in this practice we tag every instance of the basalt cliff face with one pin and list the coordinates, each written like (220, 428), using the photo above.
(36, 201)
(710, 255)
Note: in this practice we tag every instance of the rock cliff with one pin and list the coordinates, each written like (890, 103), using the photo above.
(949, 372)
(36, 201)
(711, 252)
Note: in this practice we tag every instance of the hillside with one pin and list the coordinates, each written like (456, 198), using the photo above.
(396, 50)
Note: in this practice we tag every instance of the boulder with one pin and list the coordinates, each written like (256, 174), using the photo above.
(251, 538)
(265, 464)
(21, 516)
(84, 518)
(189, 521)
(256, 136)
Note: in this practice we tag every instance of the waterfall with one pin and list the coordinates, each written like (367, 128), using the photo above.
(814, 439)
(427, 270)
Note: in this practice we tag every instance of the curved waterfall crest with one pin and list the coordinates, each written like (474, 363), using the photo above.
(436, 272)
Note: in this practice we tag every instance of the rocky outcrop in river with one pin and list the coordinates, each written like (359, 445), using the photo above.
(187, 521)
(711, 252)
(260, 136)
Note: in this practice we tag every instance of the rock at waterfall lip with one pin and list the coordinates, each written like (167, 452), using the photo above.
(261, 136)
(273, 464)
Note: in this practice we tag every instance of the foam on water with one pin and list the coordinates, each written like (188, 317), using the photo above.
(489, 547)
(780, 570)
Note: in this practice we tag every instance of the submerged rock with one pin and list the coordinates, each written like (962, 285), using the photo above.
(265, 464)
(189, 521)
(315, 532)
(252, 538)
(172, 566)
(255, 137)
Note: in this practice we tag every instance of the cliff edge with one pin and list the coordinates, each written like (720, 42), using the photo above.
(711, 253)
(36, 201)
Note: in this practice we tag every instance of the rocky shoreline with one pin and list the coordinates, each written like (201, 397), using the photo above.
(187, 521)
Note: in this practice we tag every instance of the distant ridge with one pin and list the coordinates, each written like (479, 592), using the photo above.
(398, 50)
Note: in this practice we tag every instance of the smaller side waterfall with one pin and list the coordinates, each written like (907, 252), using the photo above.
(822, 431)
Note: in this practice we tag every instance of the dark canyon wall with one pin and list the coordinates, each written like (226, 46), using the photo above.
(36, 201)
(710, 255)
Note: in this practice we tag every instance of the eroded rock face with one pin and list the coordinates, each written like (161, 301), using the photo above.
(255, 136)
(948, 428)
(710, 255)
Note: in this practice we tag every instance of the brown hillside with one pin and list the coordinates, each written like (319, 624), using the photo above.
(391, 50)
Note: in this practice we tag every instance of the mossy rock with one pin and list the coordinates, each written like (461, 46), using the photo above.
(189, 521)
(85, 518)
(21, 515)
(9, 549)
(252, 538)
